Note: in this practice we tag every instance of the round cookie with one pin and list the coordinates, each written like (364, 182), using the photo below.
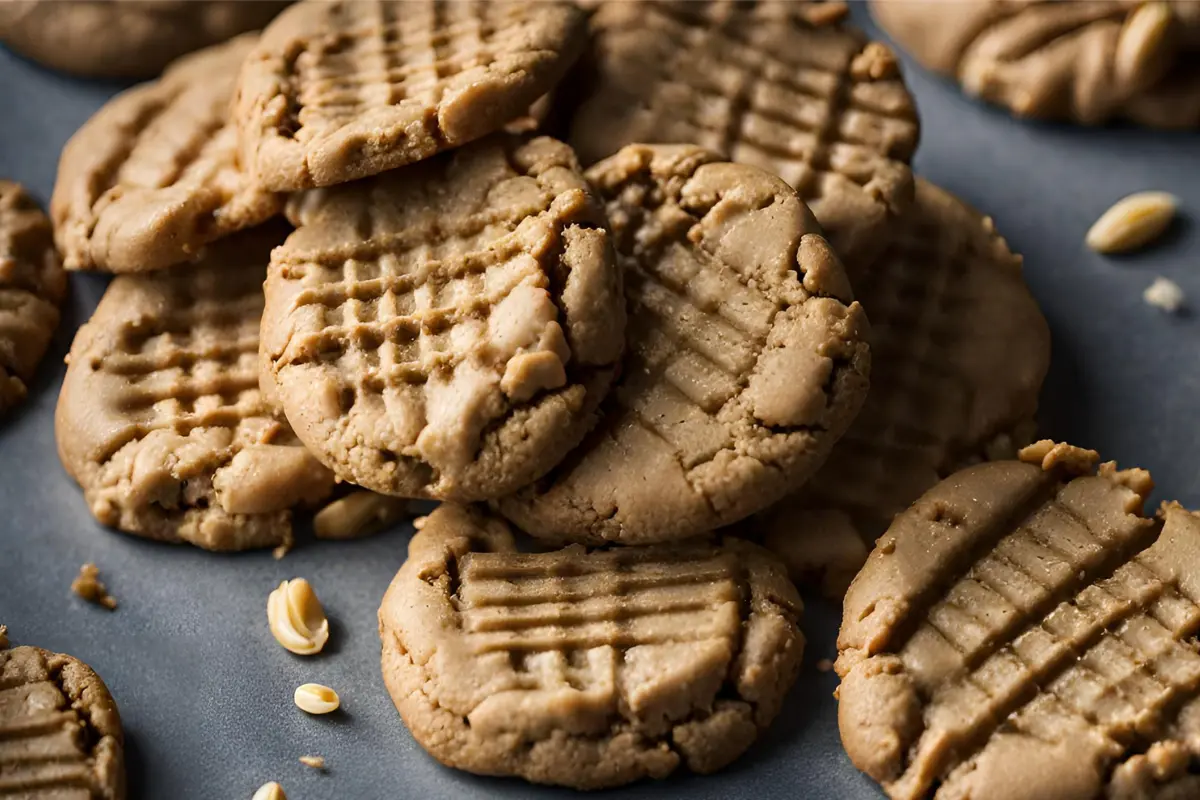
(960, 349)
(60, 728)
(343, 90)
(585, 668)
(1023, 621)
(32, 285)
(153, 176)
(1087, 62)
(123, 38)
(447, 330)
(779, 85)
(746, 358)
(161, 420)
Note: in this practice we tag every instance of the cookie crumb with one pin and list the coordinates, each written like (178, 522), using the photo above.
(824, 665)
(316, 762)
(88, 586)
(3, 637)
(282, 550)
(1165, 294)
(1049, 454)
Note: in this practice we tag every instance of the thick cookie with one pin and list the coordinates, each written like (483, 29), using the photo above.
(1022, 622)
(60, 729)
(1088, 62)
(123, 38)
(960, 350)
(746, 359)
(447, 330)
(32, 285)
(780, 85)
(161, 419)
(342, 90)
(585, 668)
(153, 176)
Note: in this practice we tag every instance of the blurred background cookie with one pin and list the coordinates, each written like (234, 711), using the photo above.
(60, 728)
(153, 176)
(1089, 62)
(161, 420)
(123, 38)
(32, 285)
(746, 358)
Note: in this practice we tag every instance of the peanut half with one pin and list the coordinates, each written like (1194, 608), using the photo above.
(358, 514)
(1132, 222)
(270, 791)
(296, 618)
(316, 699)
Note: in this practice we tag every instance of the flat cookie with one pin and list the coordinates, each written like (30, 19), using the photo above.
(338, 91)
(1087, 62)
(1022, 621)
(960, 351)
(123, 38)
(779, 85)
(59, 728)
(585, 668)
(161, 420)
(32, 285)
(153, 177)
(448, 330)
(746, 358)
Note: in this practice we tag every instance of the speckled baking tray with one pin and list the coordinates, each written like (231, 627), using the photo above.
(206, 694)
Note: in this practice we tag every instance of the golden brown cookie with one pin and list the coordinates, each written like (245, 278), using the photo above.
(1090, 62)
(153, 177)
(784, 86)
(123, 38)
(585, 668)
(32, 285)
(447, 330)
(59, 728)
(960, 349)
(338, 91)
(161, 420)
(1023, 619)
(747, 358)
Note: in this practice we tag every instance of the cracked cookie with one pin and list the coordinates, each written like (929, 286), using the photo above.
(784, 86)
(153, 176)
(1024, 619)
(32, 285)
(60, 728)
(447, 330)
(161, 419)
(746, 357)
(960, 351)
(338, 91)
(1088, 62)
(585, 668)
(123, 38)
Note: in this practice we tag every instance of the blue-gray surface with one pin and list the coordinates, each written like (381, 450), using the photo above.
(206, 694)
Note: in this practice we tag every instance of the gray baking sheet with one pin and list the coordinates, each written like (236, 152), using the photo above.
(204, 691)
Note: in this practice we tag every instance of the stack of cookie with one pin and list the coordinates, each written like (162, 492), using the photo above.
(644, 362)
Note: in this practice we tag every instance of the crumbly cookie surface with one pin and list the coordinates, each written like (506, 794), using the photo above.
(153, 176)
(783, 86)
(448, 330)
(1088, 62)
(960, 349)
(123, 38)
(338, 91)
(161, 419)
(32, 285)
(60, 727)
(1023, 618)
(746, 357)
(585, 668)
